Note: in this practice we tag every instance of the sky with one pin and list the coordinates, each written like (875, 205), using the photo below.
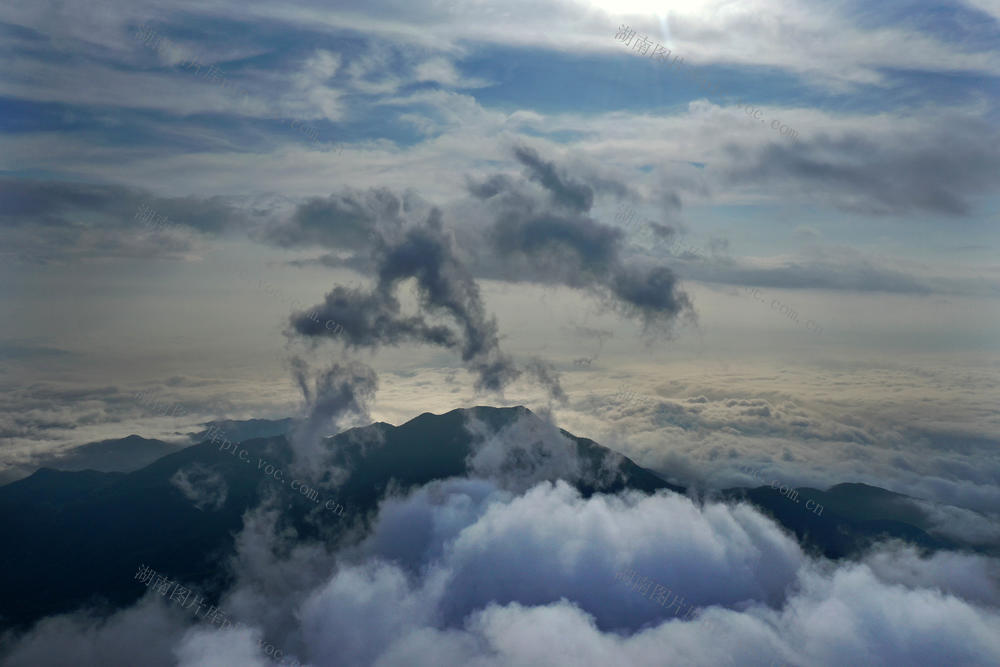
(705, 235)
(714, 236)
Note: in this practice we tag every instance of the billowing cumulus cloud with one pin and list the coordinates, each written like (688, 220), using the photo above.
(463, 571)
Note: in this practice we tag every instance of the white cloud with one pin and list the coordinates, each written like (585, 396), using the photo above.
(204, 487)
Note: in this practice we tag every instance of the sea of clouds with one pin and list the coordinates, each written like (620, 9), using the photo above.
(485, 570)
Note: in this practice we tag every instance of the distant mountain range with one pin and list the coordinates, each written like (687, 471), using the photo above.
(134, 452)
(76, 538)
(246, 429)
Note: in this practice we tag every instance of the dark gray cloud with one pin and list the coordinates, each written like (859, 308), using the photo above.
(357, 317)
(566, 192)
(343, 220)
(547, 239)
(939, 172)
(62, 204)
(49, 220)
(492, 186)
(652, 294)
(663, 233)
(445, 288)
(369, 319)
(553, 245)
(566, 246)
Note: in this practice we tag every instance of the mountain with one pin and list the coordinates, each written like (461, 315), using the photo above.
(853, 517)
(77, 538)
(239, 430)
(134, 452)
(115, 455)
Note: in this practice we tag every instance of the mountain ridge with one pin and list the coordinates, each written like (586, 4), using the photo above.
(60, 524)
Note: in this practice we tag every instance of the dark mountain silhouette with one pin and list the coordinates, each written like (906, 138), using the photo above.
(77, 538)
(853, 517)
(115, 455)
(74, 538)
(239, 430)
(134, 452)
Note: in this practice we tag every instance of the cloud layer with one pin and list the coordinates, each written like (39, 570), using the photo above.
(463, 572)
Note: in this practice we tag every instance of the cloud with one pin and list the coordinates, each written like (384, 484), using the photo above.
(52, 220)
(582, 252)
(820, 266)
(787, 36)
(371, 318)
(206, 488)
(205, 648)
(589, 248)
(957, 574)
(523, 454)
(547, 376)
(142, 634)
(319, 100)
(652, 293)
(443, 71)
(444, 575)
(846, 272)
(573, 195)
(463, 571)
(812, 428)
(939, 170)
(344, 221)
(342, 391)
(556, 241)
(444, 286)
